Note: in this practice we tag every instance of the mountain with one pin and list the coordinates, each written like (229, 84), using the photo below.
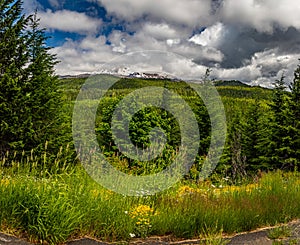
(230, 83)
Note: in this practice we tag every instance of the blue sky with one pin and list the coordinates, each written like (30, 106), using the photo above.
(254, 41)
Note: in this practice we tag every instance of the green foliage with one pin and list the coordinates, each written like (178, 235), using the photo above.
(144, 121)
(263, 125)
(13, 58)
(294, 129)
(230, 83)
(280, 232)
(29, 98)
(263, 132)
(282, 145)
(278, 141)
(69, 204)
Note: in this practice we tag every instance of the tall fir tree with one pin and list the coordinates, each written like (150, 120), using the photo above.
(254, 131)
(43, 100)
(294, 125)
(29, 96)
(280, 148)
(13, 57)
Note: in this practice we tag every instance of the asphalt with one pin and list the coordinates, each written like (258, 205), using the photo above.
(11, 240)
(258, 237)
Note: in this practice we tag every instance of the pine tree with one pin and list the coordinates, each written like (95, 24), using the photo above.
(251, 135)
(279, 148)
(260, 158)
(13, 57)
(29, 96)
(12, 39)
(294, 125)
(42, 99)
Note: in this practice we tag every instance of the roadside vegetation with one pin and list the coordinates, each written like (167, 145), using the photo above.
(54, 207)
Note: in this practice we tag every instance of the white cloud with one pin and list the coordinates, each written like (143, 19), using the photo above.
(89, 54)
(30, 6)
(273, 64)
(262, 14)
(188, 12)
(92, 43)
(249, 40)
(69, 21)
(259, 14)
(92, 53)
(85, 56)
(118, 41)
(54, 3)
(211, 36)
(143, 40)
(247, 73)
(198, 53)
(160, 31)
(263, 69)
(172, 42)
(184, 68)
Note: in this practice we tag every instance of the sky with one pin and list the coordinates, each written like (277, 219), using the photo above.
(254, 41)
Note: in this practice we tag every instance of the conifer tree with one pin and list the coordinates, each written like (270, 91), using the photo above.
(13, 57)
(252, 131)
(294, 124)
(29, 96)
(279, 148)
(42, 99)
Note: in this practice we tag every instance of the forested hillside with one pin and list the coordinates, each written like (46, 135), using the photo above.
(254, 116)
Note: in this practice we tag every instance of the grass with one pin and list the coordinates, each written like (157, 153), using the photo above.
(51, 207)
(213, 236)
(280, 232)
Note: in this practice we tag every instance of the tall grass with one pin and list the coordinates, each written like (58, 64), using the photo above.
(58, 205)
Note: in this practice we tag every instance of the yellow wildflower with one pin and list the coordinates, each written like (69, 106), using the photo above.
(105, 194)
(95, 193)
(251, 187)
(141, 211)
(142, 214)
(184, 190)
(5, 182)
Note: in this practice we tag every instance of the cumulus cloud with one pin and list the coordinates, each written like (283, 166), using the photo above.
(93, 52)
(188, 12)
(160, 31)
(238, 45)
(263, 68)
(250, 40)
(143, 40)
(85, 56)
(211, 36)
(262, 14)
(69, 21)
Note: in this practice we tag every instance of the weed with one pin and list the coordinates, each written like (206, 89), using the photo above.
(213, 236)
(280, 232)
(293, 241)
